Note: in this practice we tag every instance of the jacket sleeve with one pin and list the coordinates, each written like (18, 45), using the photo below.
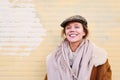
(104, 72)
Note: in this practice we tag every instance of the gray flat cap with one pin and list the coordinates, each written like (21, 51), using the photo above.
(75, 18)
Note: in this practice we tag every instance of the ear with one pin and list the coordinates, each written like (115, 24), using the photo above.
(84, 33)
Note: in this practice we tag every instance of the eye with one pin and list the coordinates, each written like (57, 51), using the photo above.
(77, 27)
(68, 27)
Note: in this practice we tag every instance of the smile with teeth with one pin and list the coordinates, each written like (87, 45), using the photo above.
(73, 35)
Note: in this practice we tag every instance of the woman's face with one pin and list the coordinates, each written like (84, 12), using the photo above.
(74, 31)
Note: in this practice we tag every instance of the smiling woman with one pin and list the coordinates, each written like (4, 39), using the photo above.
(74, 33)
(77, 58)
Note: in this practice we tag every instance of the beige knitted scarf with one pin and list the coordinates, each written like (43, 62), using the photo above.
(87, 56)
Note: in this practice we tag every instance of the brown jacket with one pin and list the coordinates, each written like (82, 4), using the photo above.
(102, 72)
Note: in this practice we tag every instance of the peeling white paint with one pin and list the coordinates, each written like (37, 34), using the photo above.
(20, 29)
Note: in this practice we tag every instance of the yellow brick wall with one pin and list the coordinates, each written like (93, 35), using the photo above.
(22, 55)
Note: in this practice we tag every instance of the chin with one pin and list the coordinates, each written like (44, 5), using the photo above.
(73, 41)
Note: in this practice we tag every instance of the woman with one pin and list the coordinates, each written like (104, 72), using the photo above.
(77, 58)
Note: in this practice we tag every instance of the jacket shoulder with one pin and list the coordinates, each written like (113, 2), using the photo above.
(102, 72)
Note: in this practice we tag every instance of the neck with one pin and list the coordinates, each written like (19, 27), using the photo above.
(75, 45)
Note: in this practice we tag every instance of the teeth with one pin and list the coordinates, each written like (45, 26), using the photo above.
(72, 35)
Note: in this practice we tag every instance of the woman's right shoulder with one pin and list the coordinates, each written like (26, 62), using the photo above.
(50, 55)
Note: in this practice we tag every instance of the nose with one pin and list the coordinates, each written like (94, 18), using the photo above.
(72, 28)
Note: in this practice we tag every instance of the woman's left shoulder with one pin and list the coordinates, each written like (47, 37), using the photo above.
(99, 55)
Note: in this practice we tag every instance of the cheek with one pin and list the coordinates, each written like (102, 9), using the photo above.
(66, 32)
(82, 33)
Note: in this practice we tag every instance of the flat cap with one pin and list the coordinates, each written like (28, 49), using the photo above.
(75, 18)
